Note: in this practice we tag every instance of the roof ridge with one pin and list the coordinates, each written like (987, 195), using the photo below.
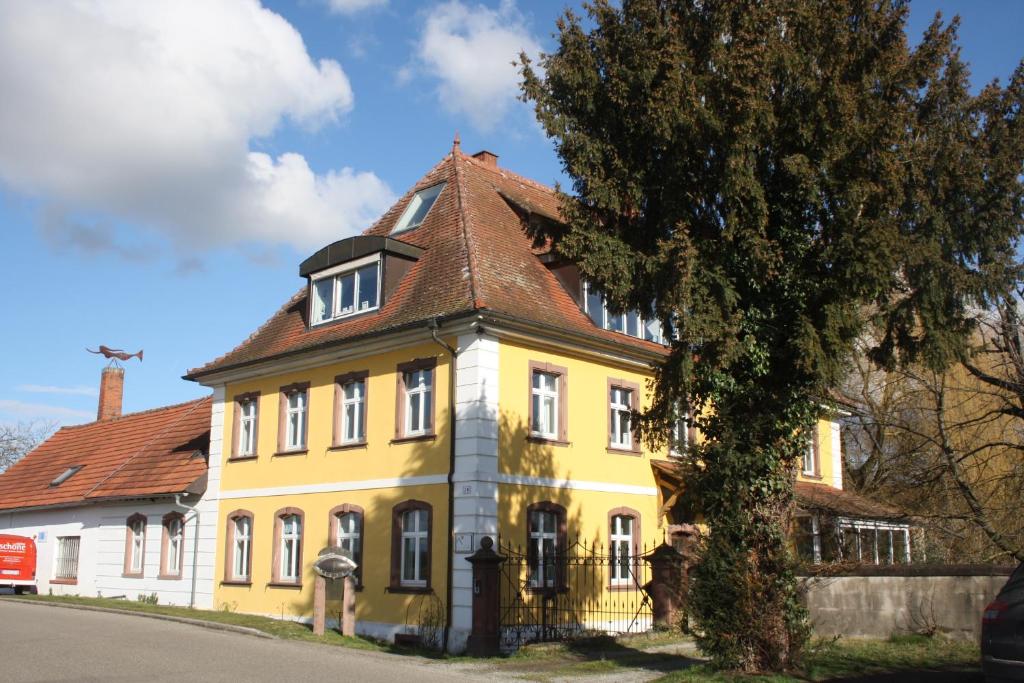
(118, 418)
(502, 171)
(463, 217)
(144, 447)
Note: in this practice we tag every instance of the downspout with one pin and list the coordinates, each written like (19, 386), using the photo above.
(195, 546)
(434, 326)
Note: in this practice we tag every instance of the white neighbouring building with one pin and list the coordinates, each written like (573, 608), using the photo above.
(123, 506)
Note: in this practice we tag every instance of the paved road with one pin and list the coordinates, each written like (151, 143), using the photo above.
(40, 643)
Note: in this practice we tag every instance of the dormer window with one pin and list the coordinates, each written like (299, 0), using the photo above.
(345, 290)
(419, 206)
(630, 322)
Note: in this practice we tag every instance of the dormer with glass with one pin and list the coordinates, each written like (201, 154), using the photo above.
(355, 276)
(630, 322)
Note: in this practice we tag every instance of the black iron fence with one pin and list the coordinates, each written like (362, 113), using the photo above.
(581, 590)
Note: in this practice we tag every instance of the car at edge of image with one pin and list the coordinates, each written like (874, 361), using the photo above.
(1002, 632)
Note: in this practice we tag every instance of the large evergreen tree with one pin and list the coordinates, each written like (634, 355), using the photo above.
(771, 176)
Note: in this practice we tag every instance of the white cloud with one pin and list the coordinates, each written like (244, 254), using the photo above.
(78, 390)
(40, 411)
(470, 50)
(146, 113)
(353, 6)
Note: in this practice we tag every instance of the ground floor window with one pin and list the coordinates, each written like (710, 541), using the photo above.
(67, 558)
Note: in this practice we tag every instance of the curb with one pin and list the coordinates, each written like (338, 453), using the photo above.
(213, 625)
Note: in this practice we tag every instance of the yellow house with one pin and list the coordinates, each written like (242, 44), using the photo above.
(437, 380)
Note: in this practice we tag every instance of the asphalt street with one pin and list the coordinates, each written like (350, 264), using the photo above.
(41, 643)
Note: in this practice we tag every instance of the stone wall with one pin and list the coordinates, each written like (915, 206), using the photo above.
(879, 606)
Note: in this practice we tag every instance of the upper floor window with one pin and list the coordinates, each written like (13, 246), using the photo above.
(680, 432)
(346, 290)
(631, 322)
(545, 405)
(809, 461)
(294, 417)
(419, 206)
(246, 421)
(621, 406)
(350, 407)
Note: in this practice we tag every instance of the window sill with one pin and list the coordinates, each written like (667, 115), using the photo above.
(65, 582)
(242, 458)
(618, 450)
(412, 590)
(806, 475)
(169, 577)
(235, 582)
(543, 440)
(284, 584)
(620, 587)
(297, 451)
(413, 439)
(133, 576)
(348, 446)
(341, 318)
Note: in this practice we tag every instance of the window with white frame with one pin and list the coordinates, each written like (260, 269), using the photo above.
(680, 432)
(291, 548)
(241, 547)
(418, 395)
(295, 419)
(66, 562)
(418, 208)
(174, 528)
(137, 544)
(809, 461)
(415, 547)
(345, 290)
(543, 539)
(353, 411)
(631, 322)
(247, 408)
(621, 405)
(349, 538)
(622, 549)
(545, 405)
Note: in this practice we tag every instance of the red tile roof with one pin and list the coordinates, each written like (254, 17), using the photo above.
(144, 454)
(477, 257)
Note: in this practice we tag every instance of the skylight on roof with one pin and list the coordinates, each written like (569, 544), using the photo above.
(416, 212)
(65, 475)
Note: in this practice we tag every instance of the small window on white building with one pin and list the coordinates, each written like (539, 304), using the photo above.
(66, 568)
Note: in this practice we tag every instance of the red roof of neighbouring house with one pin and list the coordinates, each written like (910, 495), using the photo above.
(477, 256)
(156, 452)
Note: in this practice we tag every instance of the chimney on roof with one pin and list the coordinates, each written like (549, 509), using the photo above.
(489, 158)
(111, 393)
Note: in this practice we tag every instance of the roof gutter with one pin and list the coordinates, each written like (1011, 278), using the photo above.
(433, 325)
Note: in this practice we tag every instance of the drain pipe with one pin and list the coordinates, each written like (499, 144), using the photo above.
(195, 546)
(433, 325)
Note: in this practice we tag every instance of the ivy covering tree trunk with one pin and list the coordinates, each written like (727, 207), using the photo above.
(769, 178)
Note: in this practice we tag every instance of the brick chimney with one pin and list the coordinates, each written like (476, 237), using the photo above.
(489, 158)
(111, 392)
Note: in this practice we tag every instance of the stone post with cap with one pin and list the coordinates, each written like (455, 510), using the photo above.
(485, 637)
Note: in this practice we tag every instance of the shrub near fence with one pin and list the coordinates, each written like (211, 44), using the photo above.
(878, 601)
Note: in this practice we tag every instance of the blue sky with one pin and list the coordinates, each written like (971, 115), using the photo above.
(164, 168)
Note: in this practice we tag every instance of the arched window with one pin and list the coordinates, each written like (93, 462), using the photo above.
(410, 546)
(287, 567)
(135, 546)
(238, 551)
(172, 545)
(546, 545)
(346, 525)
(623, 536)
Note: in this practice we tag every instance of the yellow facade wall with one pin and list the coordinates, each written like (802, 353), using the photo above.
(268, 473)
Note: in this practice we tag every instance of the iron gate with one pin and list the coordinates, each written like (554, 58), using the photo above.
(581, 596)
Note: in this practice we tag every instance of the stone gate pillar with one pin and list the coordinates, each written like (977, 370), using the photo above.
(665, 586)
(485, 635)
